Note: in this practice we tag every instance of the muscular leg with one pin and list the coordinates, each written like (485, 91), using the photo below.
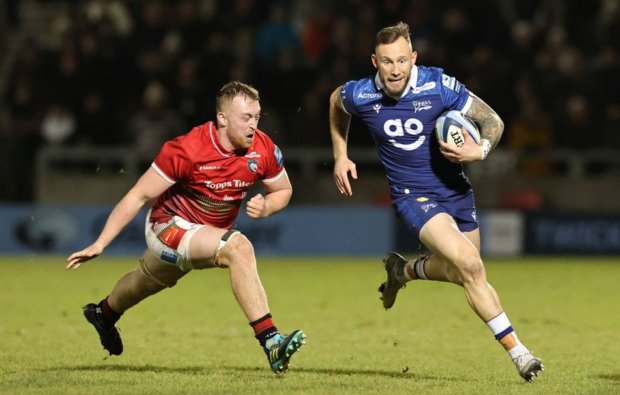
(456, 259)
(238, 256)
(214, 247)
(143, 282)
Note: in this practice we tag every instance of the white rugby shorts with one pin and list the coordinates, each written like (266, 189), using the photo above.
(179, 256)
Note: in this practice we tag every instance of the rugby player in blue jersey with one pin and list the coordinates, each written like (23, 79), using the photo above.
(429, 191)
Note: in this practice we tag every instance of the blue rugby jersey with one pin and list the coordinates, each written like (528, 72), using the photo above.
(403, 129)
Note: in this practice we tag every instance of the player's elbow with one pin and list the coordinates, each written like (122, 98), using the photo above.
(286, 196)
(500, 124)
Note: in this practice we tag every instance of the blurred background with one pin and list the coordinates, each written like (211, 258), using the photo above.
(90, 89)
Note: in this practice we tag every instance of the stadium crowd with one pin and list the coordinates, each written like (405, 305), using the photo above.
(134, 73)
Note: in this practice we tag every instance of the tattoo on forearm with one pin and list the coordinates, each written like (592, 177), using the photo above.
(491, 125)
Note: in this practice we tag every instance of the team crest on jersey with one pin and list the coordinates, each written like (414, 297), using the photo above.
(278, 154)
(253, 165)
(428, 206)
(420, 105)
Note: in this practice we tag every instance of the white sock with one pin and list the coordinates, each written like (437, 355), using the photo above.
(417, 266)
(500, 326)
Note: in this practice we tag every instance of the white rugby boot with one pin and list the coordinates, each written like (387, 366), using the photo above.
(528, 365)
(394, 264)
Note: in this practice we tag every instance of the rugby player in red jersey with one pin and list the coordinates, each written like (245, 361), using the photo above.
(197, 183)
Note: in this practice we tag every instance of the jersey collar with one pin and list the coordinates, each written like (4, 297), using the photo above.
(216, 141)
(413, 79)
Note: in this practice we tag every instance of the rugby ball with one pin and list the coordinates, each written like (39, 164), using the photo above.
(448, 128)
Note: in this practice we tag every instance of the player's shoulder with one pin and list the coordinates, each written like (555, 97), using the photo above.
(196, 136)
(437, 77)
(262, 142)
(264, 146)
(366, 83)
(429, 74)
(262, 138)
(361, 90)
(190, 144)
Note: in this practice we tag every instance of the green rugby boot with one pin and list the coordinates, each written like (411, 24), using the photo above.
(280, 349)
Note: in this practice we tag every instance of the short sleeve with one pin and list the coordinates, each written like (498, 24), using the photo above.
(454, 94)
(173, 162)
(274, 163)
(347, 95)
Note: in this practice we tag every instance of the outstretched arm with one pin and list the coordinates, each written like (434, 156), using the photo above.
(278, 194)
(339, 122)
(148, 187)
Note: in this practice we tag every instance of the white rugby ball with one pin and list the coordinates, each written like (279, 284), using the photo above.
(448, 128)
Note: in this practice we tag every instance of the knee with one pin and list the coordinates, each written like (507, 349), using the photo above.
(238, 250)
(471, 269)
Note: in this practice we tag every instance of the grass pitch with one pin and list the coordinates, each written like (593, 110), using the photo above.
(193, 338)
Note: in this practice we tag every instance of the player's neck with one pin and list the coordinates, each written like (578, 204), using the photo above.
(224, 141)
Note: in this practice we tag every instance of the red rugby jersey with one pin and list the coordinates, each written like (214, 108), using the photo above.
(209, 181)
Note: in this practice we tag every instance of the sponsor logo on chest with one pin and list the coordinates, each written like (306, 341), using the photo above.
(209, 167)
(228, 184)
(363, 95)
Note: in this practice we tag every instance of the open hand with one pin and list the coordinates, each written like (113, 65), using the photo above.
(342, 168)
(79, 257)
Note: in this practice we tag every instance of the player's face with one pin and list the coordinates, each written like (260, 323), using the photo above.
(241, 120)
(394, 62)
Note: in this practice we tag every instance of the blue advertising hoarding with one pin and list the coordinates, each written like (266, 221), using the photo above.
(311, 230)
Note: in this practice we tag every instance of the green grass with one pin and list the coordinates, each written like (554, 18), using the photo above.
(194, 339)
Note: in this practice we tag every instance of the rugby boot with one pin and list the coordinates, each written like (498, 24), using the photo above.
(528, 365)
(108, 333)
(394, 264)
(280, 349)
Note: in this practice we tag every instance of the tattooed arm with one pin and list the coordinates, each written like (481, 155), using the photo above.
(491, 125)
(491, 129)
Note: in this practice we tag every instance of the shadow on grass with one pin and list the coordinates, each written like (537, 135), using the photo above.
(223, 368)
(610, 377)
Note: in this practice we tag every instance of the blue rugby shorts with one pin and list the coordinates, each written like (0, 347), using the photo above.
(417, 209)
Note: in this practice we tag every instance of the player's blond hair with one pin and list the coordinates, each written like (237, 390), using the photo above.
(233, 89)
(389, 34)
